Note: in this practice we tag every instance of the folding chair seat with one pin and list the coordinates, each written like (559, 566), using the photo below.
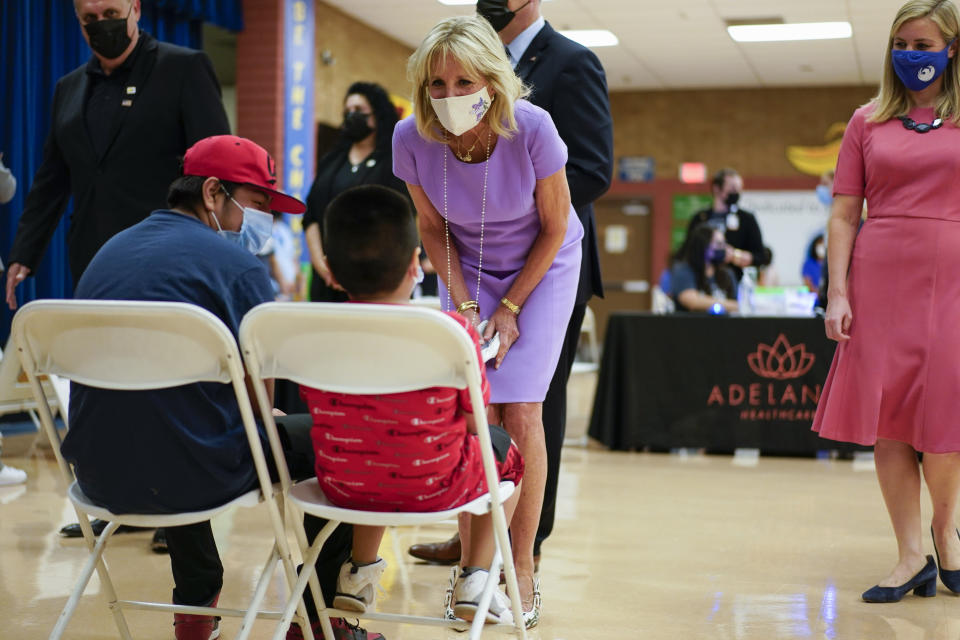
(364, 350)
(125, 346)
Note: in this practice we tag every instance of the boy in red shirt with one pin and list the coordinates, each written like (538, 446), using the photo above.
(414, 451)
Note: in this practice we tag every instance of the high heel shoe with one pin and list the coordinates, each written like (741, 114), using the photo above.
(950, 579)
(923, 584)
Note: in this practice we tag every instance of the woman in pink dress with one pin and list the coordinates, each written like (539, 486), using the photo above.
(894, 296)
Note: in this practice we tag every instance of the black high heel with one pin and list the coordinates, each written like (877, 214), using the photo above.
(950, 579)
(923, 584)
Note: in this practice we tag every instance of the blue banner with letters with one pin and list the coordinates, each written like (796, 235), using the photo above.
(298, 136)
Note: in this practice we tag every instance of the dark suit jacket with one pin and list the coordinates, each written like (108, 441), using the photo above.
(176, 103)
(569, 83)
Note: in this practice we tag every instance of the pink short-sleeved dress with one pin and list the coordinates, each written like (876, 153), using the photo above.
(898, 377)
(511, 226)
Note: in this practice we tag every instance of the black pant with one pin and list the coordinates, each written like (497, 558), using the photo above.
(195, 561)
(555, 421)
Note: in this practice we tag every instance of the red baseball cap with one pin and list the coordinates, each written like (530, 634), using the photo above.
(239, 160)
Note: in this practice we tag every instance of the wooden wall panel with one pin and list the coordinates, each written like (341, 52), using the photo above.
(748, 129)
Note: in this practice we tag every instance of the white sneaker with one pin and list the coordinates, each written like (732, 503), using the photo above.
(12, 475)
(357, 586)
(466, 598)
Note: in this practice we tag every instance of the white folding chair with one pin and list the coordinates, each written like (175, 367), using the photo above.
(127, 346)
(16, 395)
(374, 349)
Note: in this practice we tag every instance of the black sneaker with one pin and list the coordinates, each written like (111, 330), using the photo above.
(159, 542)
(98, 525)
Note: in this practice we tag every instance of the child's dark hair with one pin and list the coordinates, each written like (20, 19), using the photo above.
(369, 236)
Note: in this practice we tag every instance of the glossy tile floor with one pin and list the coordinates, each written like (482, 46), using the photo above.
(647, 546)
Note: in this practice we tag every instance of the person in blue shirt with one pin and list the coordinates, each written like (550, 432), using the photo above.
(699, 277)
(813, 266)
(184, 448)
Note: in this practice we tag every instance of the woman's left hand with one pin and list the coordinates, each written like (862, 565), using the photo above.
(504, 322)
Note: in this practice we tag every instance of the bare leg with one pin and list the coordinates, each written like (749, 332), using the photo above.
(899, 475)
(479, 553)
(366, 543)
(523, 421)
(942, 473)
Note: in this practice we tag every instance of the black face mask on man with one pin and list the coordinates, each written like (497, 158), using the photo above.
(497, 13)
(355, 126)
(109, 37)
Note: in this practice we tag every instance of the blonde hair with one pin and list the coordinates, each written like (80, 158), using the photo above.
(892, 100)
(472, 42)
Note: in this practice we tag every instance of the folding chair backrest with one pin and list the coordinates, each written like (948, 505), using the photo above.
(320, 345)
(128, 346)
(125, 345)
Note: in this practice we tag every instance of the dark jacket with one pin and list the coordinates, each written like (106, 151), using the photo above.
(176, 102)
(569, 83)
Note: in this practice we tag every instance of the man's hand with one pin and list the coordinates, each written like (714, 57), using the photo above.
(15, 275)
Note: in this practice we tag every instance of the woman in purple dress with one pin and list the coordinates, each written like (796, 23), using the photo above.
(485, 169)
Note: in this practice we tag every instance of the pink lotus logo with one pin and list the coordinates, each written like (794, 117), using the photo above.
(781, 361)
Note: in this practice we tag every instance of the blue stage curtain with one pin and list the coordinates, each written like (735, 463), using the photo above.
(42, 41)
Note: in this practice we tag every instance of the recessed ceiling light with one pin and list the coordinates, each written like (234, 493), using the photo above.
(592, 37)
(790, 31)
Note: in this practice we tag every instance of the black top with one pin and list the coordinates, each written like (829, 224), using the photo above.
(743, 234)
(104, 97)
(335, 175)
(347, 175)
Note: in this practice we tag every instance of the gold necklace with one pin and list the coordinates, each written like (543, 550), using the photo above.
(466, 157)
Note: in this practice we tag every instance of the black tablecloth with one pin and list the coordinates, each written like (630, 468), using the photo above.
(711, 382)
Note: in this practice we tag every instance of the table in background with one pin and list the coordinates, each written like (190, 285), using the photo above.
(713, 382)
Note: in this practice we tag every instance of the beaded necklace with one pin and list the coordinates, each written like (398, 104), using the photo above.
(920, 127)
(446, 222)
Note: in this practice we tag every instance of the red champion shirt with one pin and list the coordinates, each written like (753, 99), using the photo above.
(398, 452)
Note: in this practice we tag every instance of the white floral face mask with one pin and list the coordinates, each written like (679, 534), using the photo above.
(462, 113)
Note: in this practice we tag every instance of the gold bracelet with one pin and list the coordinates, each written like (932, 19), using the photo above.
(468, 304)
(509, 305)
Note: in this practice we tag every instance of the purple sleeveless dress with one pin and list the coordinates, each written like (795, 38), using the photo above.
(511, 225)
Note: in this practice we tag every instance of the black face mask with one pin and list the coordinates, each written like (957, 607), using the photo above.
(732, 198)
(496, 13)
(355, 126)
(109, 37)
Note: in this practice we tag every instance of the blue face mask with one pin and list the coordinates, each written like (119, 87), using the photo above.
(824, 195)
(716, 255)
(255, 231)
(918, 69)
(419, 277)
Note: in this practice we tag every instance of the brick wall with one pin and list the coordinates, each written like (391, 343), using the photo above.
(260, 76)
